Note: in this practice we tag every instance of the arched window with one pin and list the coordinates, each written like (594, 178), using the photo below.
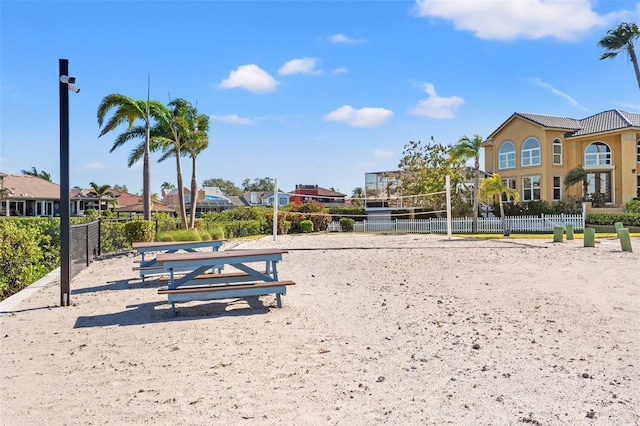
(507, 156)
(597, 154)
(531, 152)
(557, 152)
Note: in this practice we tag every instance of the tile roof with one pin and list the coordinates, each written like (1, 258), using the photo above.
(26, 186)
(601, 122)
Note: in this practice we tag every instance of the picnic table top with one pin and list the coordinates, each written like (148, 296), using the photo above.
(218, 255)
(161, 244)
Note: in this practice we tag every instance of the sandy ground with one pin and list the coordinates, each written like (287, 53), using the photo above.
(379, 329)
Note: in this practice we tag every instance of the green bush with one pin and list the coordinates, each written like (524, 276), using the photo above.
(21, 257)
(113, 238)
(628, 219)
(139, 231)
(182, 235)
(306, 226)
(346, 224)
(242, 228)
(632, 206)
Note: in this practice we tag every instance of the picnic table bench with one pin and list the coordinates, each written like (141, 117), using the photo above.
(149, 266)
(195, 284)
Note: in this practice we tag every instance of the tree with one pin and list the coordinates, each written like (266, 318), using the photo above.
(196, 141)
(492, 187)
(576, 175)
(121, 188)
(258, 185)
(423, 170)
(357, 196)
(129, 110)
(227, 187)
(166, 186)
(169, 135)
(101, 191)
(622, 39)
(464, 150)
(34, 172)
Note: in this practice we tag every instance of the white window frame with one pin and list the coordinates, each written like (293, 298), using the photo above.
(530, 156)
(531, 190)
(558, 187)
(557, 156)
(638, 153)
(598, 158)
(511, 184)
(509, 158)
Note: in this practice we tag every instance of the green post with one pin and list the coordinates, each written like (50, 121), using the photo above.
(589, 237)
(618, 226)
(625, 239)
(558, 233)
(569, 232)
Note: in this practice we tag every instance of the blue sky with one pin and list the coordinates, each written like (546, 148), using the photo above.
(309, 92)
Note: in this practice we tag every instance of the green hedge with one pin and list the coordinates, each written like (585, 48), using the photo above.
(628, 219)
(29, 249)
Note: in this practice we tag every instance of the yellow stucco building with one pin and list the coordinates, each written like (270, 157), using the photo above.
(533, 153)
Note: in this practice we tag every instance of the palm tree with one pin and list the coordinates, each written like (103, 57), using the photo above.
(464, 150)
(100, 191)
(34, 172)
(357, 196)
(196, 141)
(170, 135)
(492, 187)
(129, 110)
(576, 175)
(622, 39)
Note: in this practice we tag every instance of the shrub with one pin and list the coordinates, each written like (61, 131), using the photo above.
(356, 213)
(21, 259)
(628, 219)
(306, 226)
(632, 206)
(598, 199)
(139, 231)
(112, 237)
(242, 228)
(184, 235)
(346, 224)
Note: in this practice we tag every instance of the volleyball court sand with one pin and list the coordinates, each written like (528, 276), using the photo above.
(379, 329)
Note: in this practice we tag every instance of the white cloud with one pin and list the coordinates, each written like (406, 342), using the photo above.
(343, 39)
(250, 77)
(232, 119)
(436, 106)
(557, 92)
(380, 153)
(340, 70)
(300, 66)
(364, 117)
(508, 20)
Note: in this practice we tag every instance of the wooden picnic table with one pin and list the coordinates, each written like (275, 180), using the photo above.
(196, 284)
(148, 265)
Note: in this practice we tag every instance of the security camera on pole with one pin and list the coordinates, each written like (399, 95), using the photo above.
(66, 83)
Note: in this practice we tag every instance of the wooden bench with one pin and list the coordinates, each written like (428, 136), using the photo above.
(226, 291)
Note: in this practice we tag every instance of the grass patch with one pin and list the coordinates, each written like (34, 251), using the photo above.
(184, 235)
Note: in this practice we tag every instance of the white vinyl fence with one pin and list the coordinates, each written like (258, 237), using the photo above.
(544, 223)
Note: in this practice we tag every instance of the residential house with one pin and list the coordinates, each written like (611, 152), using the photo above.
(326, 197)
(32, 196)
(25, 195)
(533, 154)
(208, 199)
(265, 198)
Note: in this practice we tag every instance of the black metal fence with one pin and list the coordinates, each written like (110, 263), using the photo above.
(85, 245)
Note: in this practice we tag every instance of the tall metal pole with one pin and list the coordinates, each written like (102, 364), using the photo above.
(275, 209)
(65, 223)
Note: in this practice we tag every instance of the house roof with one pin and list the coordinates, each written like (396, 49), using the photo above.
(601, 122)
(26, 186)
